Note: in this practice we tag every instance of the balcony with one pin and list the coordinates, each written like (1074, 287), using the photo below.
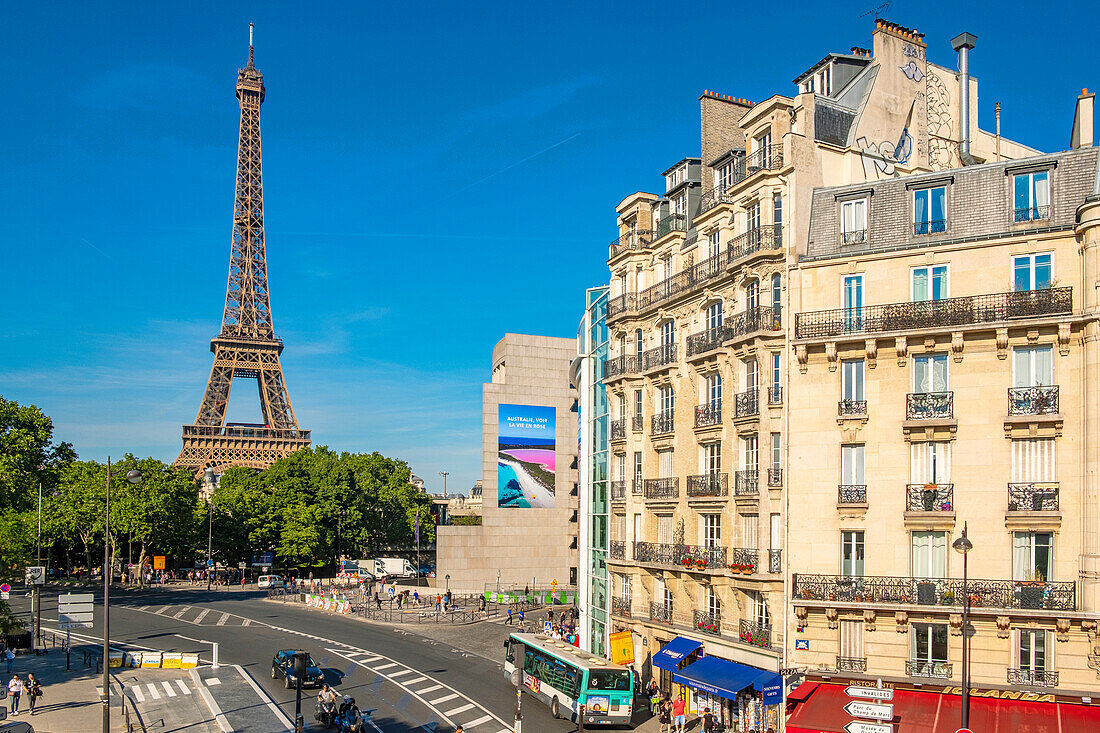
(851, 408)
(755, 634)
(708, 415)
(930, 406)
(637, 423)
(930, 498)
(856, 236)
(744, 560)
(710, 623)
(659, 356)
(717, 195)
(1033, 400)
(660, 612)
(966, 310)
(851, 664)
(760, 239)
(1034, 213)
(253, 432)
(618, 429)
(851, 494)
(929, 226)
(746, 483)
(620, 607)
(663, 422)
(708, 340)
(775, 395)
(619, 305)
(707, 484)
(671, 223)
(775, 561)
(618, 490)
(775, 477)
(684, 556)
(616, 550)
(746, 404)
(630, 241)
(944, 592)
(757, 318)
(1033, 497)
(1032, 677)
(928, 669)
(662, 488)
(637, 486)
(767, 157)
(620, 366)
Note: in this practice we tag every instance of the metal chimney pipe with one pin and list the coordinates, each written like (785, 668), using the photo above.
(963, 43)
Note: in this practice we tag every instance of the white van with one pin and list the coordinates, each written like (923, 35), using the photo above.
(269, 581)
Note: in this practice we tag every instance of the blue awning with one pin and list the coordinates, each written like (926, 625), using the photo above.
(725, 679)
(673, 653)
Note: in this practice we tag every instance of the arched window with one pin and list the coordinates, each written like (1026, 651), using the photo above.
(638, 342)
(752, 294)
(777, 290)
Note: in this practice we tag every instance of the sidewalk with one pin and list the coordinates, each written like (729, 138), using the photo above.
(70, 699)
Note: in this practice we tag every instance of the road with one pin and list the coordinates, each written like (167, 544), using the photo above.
(413, 681)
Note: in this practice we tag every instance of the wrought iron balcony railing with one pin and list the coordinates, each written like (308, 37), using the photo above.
(762, 238)
(929, 405)
(969, 309)
(851, 494)
(851, 408)
(775, 561)
(707, 340)
(750, 632)
(747, 403)
(928, 669)
(671, 223)
(948, 592)
(851, 664)
(637, 423)
(710, 623)
(620, 366)
(659, 356)
(618, 429)
(759, 318)
(775, 477)
(930, 498)
(617, 306)
(662, 488)
(663, 422)
(744, 560)
(618, 490)
(630, 241)
(775, 395)
(691, 557)
(1041, 400)
(707, 484)
(717, 195)
(746, 483)
(637, 486)
(708, 415)
(1033, 497)
(929, 226)
(1032, 677)
(660, 612)
(620, 607)
(616, 550)
(768, 156)
(855, 236)
(1034, 213)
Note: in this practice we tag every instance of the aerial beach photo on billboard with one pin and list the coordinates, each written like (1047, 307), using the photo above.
(525, 456)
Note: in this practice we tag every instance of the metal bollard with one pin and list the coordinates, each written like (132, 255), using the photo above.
(214, 664)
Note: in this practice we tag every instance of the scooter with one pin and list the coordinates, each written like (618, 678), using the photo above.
(325, 712)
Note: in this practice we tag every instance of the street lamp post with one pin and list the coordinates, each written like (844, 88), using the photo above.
(444, 474)
(133, 476)
(963, 545)
(208, 476)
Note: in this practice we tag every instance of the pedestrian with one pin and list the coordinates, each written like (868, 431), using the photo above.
(15, 691)
(664, 712)
(459, 729)
(416, 598)
(679, 719)
(521, 617)
(9, 657)
(378, 600)
(709, 722)
(509, 621)
(34, 690)
(653, 692)
(550, 615)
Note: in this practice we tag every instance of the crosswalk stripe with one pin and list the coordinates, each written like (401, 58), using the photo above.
(386, 666)
(416, 681)
(247, 621)
(444, 699)
(202, 615)
(138, 694)
(400, 672)
(168, 688)
(372, 660)
(153, 692)
(223, 619)
(160, 611)
(182, 611)
(427, 689)
(479, 721)
(459, 709)
(183, 687)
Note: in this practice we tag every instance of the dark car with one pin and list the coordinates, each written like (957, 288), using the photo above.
(282, 665)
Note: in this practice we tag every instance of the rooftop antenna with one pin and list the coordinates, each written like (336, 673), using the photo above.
(875, 11)
(250, 28)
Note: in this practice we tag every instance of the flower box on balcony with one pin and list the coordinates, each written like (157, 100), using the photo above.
(701, 564)
(708, 627)
(687, 562)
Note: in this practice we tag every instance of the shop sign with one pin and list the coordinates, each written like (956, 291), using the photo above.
(872, 710)
(870, 693)
(622, 647)
(858, 726)
(1002, 694)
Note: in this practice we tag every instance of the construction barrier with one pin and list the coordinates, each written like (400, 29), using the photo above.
(328, 604)
(171, 660)
(189, 661)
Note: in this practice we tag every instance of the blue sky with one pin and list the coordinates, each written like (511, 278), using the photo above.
(436, 175)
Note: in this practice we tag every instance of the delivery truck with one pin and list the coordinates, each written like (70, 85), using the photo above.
(391, 566)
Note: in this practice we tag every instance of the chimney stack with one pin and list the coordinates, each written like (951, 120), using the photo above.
(963, 43)
(1081, 137)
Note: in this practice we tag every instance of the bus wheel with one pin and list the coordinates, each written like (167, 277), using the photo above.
(554, 709)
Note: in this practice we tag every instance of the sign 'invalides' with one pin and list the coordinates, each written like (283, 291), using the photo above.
(870, 693)
(872, 710)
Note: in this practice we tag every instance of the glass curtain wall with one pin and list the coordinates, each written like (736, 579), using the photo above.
(594, 421)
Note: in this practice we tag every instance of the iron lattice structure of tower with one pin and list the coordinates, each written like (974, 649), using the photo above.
(247, 346)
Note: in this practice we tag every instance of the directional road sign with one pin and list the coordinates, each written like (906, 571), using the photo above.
(858, 726)
(36, 575)
(872, 710)
(870, 693)
(74, 611)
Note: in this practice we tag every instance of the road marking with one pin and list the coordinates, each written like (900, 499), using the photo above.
(368, 660)
(219, 717)
(479, 721)
(264, 696)
(138, 694)
(400, 672)
(160, 611)
(168, 688)
(202, 615)
(426, 689)
(459, 709)
(153, 691)
(416, 681)
(182, 611)
(223, 619)
(247, 621)
(386, 666)
(445, 699)
(183, 687)
(213, 681)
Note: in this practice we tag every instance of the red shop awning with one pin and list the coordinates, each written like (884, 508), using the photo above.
(822, 711)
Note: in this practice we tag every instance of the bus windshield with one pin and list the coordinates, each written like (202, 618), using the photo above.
(609, 679)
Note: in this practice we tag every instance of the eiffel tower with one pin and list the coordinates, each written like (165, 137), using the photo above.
(247, 346)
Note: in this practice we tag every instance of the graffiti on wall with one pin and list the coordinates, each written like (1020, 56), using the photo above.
(912, 71)
(942, 149)
(882, 158)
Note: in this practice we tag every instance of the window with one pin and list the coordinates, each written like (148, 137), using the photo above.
(664, 528)
(762, 144)
(930, 210)
(620, 527)
(930, 463)
(852, 295)
(760, 614)
(928, 554)
(851, 553)
(750, 452)
(639, 533)
(775, 369)
(666, 400)
(1033, 460)
(664, 464)
(851, 639)
(620, 467)
(668, 333)
(775, 532)
(712, 458)
(637, 403)
(751, 370)
(713, 317)
(710, 530)
(930, 373)
(853, 221)
(620, 405)
(1032, 648)
(723, 177)
(852, 379)
(929, 283)
(638, 344)
(714, 603)
(929, 649)
(777, 218)
(754, 218)
(1031, 196)
(712, 244)
(749, 525)
(713, 387)
(1032, 555)
(851, 465)
(637, 465)
(777, 292)
(752, 294)
(1032, 272)
(777, 454)
(1033, 366)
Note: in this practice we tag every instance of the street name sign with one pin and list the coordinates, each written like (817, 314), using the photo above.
(870, 693)
(858, 726)
(35, 575)
(872, 710)
(74, 611)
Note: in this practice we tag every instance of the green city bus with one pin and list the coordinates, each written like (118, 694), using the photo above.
(565, 678)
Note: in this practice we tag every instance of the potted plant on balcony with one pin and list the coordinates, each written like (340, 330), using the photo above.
(1031, 590)
(735, 567)
(686, 562)
(701, 564)
(929, 497)
(748, 568)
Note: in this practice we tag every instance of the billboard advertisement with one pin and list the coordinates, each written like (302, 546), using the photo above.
(525, 456)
